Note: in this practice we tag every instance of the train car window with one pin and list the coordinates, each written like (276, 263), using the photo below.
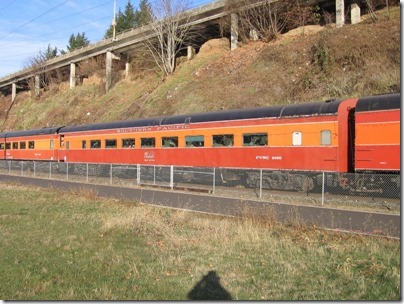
(95, 144)
(169, 141)
(84, 144)
(110, 143)
(297, 138)
(31, 144)
(326, 138)
(128, 143)
(195, 141)
(255, 139)
(23, 144)
(15, 145)
(223, 140)
(1, 146)
(149, 142)
(8, 146)
(67, 145)
(52, 145)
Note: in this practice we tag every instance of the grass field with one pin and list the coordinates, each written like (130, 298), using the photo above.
(75, 246)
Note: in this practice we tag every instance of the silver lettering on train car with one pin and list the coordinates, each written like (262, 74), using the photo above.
(149, 157)
(176, 127)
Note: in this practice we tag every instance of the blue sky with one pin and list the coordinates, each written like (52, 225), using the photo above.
(29, 26)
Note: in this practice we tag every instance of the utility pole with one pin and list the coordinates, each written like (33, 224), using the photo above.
(114, 23)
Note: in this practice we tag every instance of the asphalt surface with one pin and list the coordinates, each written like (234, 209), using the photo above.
(323, 217)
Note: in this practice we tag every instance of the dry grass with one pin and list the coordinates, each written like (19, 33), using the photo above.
(64, 246)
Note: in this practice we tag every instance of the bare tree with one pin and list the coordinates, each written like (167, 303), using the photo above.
(301, 14)
(265, 20)
(171, 30)
(37, 64)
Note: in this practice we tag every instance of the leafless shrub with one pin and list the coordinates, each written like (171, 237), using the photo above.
(171, 33)
(92, 66)
(301, 14)
(373, 5)
(328, 18)
(266, 20)
(37, 64)
(142, 62)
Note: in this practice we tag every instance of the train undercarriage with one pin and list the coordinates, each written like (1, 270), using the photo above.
(385, 184)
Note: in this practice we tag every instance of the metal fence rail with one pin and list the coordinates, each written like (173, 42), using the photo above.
(382, 191)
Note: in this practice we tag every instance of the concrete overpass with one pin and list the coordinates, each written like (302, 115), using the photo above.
(126, 42)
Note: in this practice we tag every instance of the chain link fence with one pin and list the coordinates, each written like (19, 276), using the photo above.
(374, 191)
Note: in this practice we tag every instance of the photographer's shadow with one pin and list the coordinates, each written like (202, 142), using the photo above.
(209, 288)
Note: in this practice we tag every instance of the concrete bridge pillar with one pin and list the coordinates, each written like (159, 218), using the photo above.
(234, 31)
(108, 73)
(108, 65)
(254, 35)
(127, 66)
(340, 12)
(190, 52)
(355, 12)
(72, 75)
(13, 91)
(37, 85)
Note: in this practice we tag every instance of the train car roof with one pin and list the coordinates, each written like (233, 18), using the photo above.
(43, 131)
(379, 102)
(295, 110)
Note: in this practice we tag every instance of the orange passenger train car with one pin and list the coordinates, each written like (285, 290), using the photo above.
(304, 137)
(338, 136)
(378, 129)
(39, 144)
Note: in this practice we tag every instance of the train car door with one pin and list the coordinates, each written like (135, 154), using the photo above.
(351, 140)
(61, 147)
(2, 146)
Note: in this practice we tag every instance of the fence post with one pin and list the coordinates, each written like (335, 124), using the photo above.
(260, 183)
(50, 170)
(110, 175)
(154, 175)
(34, 169)
(323, 190)
(138, 174)
(87, 172)
(22, 168)
(214, 180)
(67, 171)
(172, 177)
(9, 167)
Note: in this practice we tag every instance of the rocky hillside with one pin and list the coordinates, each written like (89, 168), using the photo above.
(316, 64)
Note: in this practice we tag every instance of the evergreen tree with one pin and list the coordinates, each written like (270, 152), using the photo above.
(130, 18)
(49, 53)
(144, 15)
(78, 41)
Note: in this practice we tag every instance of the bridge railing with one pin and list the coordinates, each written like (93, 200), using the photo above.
(380, 192)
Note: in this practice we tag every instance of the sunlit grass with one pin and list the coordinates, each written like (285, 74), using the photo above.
(60, 246)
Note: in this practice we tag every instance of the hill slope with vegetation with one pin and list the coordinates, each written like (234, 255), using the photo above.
(324, 63)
